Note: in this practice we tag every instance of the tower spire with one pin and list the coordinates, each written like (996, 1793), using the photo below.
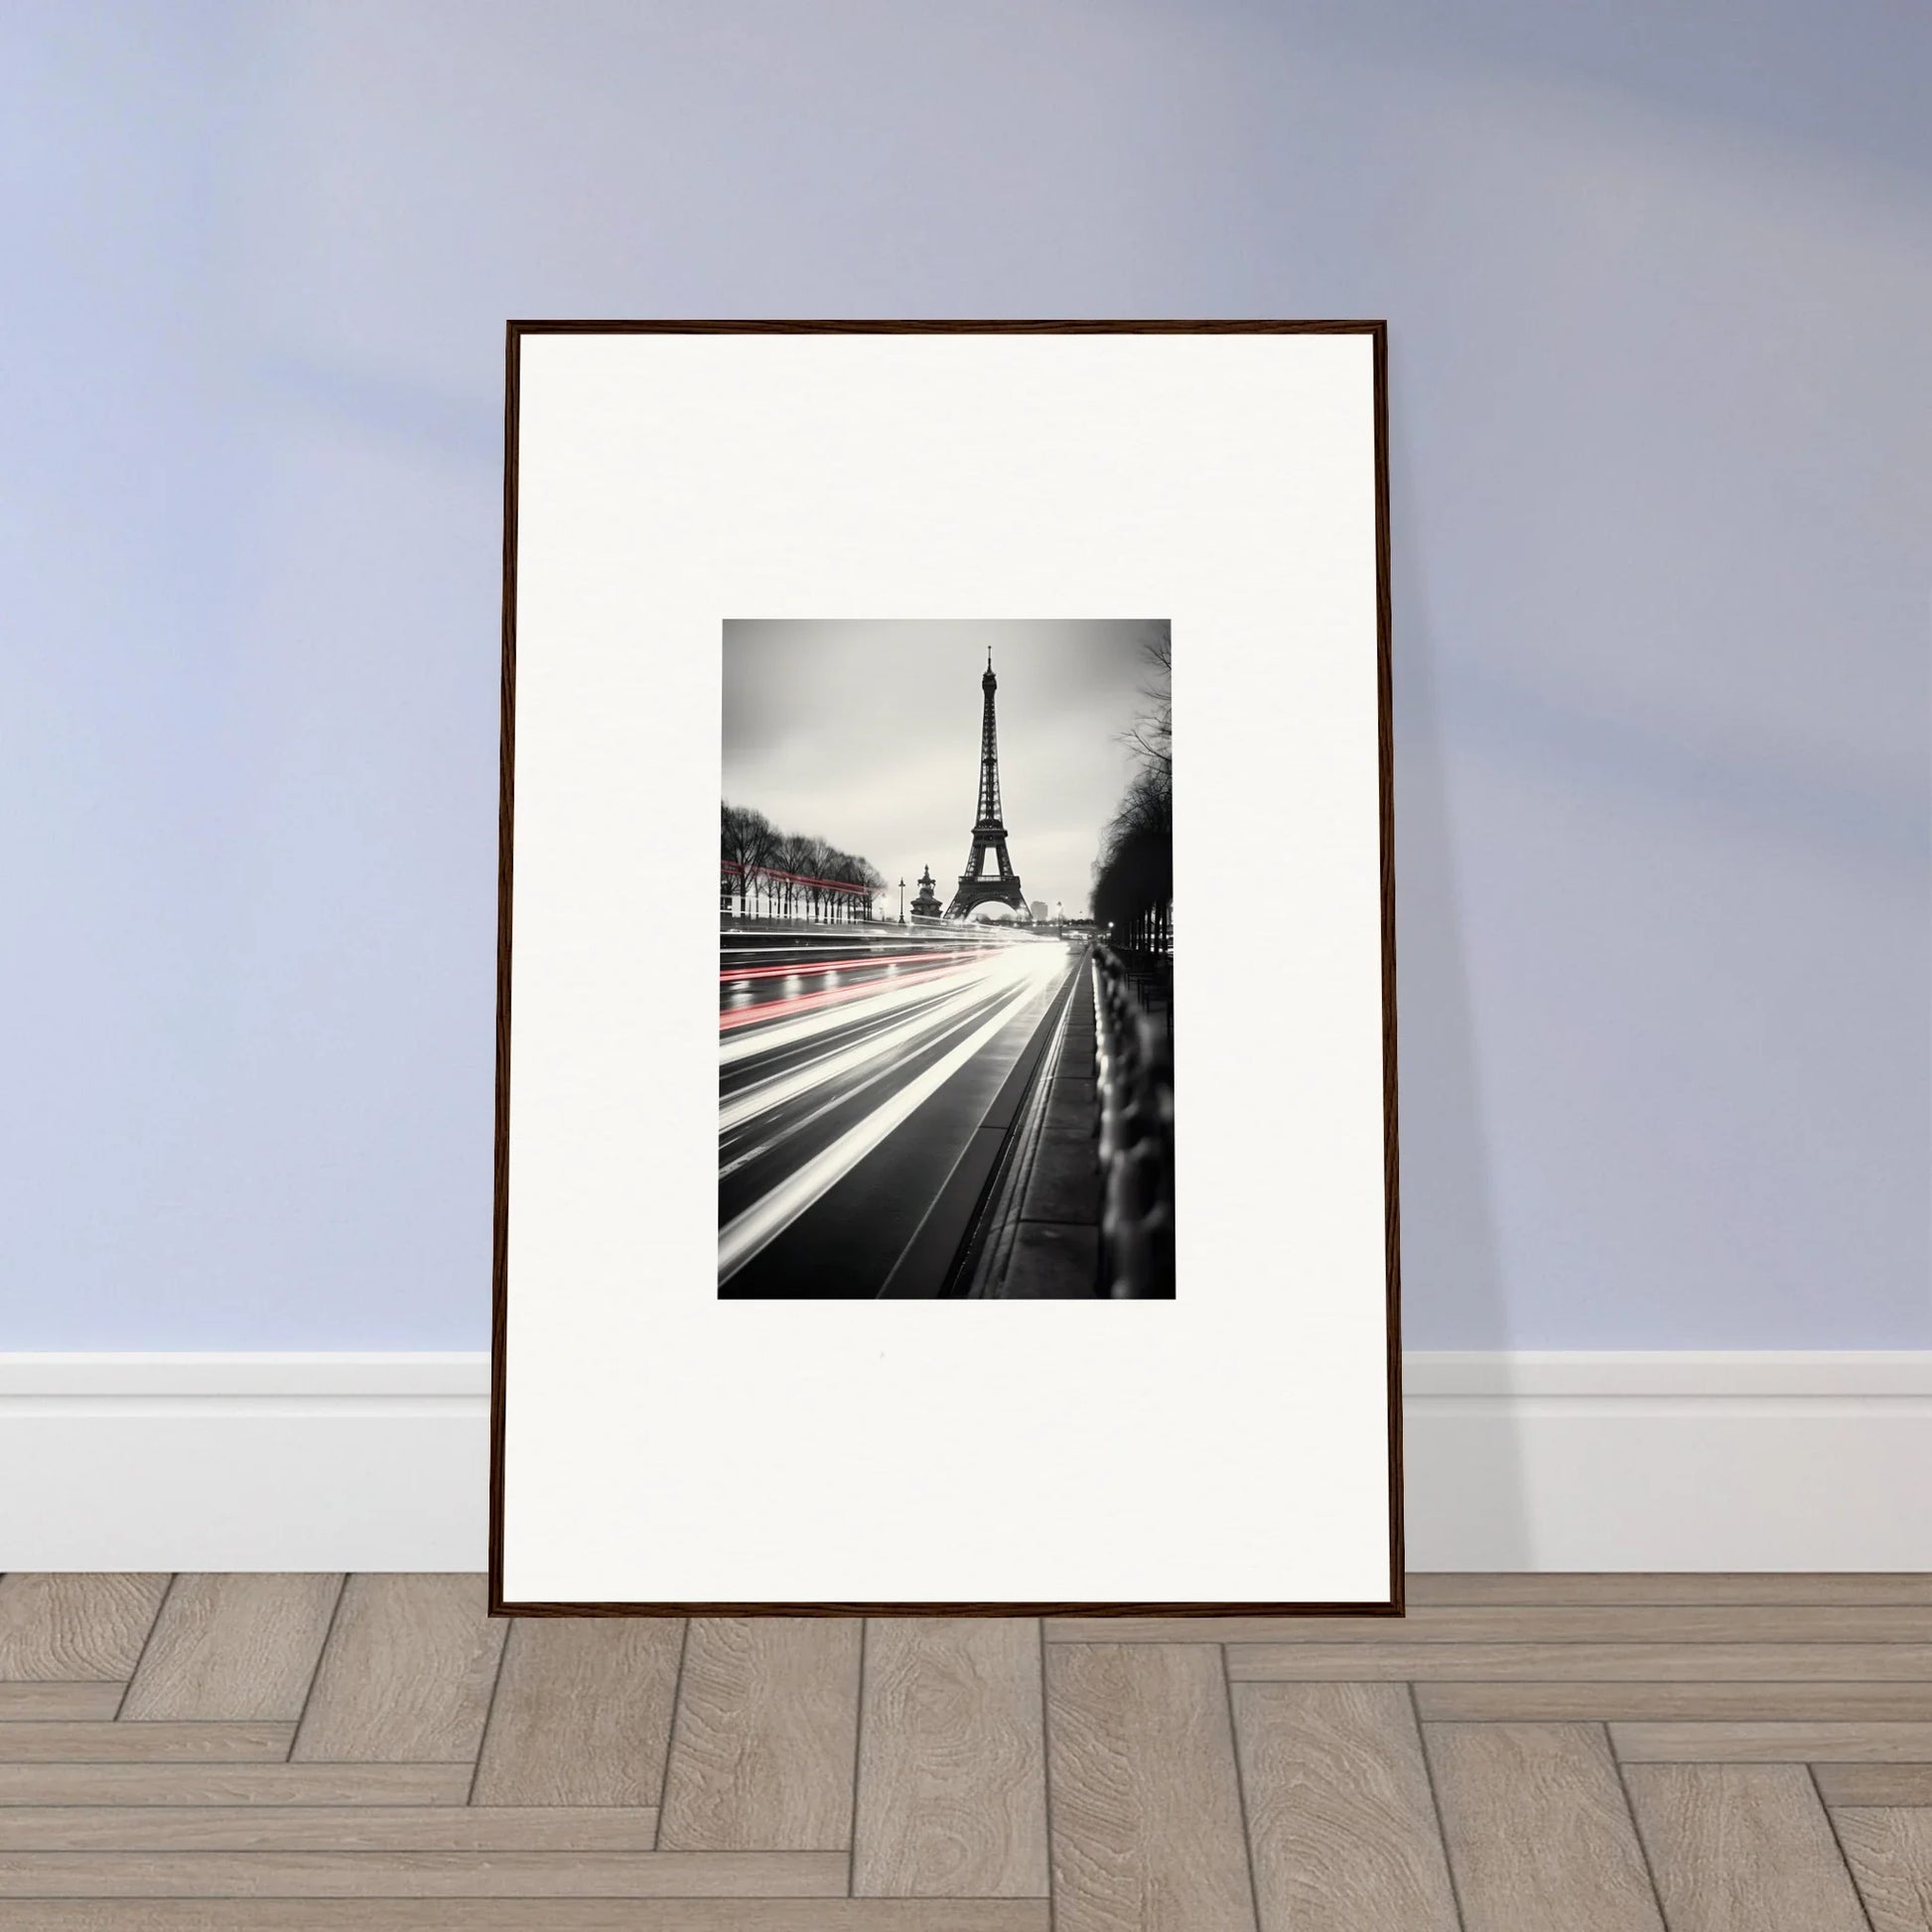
(1002, 887)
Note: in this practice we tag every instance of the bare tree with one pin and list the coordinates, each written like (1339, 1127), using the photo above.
(1133, 879)
(796, 874)
(817, 856)
(1152, 734)
(1133, 886)
(832, 870)
(746, 840)
(794, 859)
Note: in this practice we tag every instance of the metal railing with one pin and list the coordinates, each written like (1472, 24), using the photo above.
(1133, 1090)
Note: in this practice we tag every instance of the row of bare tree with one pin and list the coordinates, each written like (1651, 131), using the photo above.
(787, 874)
(1133, 879)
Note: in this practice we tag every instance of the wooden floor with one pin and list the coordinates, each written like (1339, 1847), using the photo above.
(1549, 1755)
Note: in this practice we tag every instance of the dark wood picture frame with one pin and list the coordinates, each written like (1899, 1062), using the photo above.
(517, 330)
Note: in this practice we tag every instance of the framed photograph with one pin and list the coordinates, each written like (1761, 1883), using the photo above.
(1038, 674)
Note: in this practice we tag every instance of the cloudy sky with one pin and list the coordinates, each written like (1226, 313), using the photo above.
(868, 734)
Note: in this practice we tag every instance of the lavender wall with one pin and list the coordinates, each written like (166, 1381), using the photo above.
(1660, 287)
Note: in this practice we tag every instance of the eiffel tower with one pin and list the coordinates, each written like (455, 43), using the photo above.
(1002, 887)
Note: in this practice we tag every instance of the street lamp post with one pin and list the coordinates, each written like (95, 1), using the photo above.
(901, 901)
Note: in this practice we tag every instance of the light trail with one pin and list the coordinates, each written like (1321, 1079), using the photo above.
(791, 1128)
(871, 959)
(765, 1219)
(747, 1041)
(831, 997)
(780, 1088)
(961, 1010)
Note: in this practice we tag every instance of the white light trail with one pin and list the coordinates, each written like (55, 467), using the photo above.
(813, 1115)
(836, 1066)
(765, 1219)
(745, 1042)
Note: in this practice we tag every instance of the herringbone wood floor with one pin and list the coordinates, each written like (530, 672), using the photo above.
(1543, 1753)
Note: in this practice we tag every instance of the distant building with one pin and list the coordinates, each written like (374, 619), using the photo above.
(926, 905)
(1039, 910)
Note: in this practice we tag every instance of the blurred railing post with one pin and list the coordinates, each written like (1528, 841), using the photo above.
(1134, 1091)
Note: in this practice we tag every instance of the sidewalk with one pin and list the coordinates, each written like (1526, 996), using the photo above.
(1056, 1247)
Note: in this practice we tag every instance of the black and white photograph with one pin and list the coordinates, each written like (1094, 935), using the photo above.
(946, 991)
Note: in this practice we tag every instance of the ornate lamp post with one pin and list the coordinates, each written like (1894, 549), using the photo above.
(901, 901)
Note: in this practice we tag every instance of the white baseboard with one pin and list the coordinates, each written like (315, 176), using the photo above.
(1598, 1461)
(301, 1461)
(1515, 1461)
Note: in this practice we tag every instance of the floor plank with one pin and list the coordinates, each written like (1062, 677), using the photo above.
(1146, 1809)
(515, 1915)
(1538, 1830)
(234, 1646)
(1739, 1848)
(1340, 1814)
(1564, 1623)
(1597, 1703)
(1642, 1663)
(159, 1743)
(406, 1674)
(75, 1624)
(1428, 1589)
(583, 1713)
(326, 1828)
(1890, 1855)
(765, 1739)
(1874, 1784)
(952, 1775)
(423, 1874)
(233, 1784)
(75, 1703)
(1773, 1743)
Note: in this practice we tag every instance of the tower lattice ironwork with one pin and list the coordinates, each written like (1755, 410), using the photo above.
(976, 886)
